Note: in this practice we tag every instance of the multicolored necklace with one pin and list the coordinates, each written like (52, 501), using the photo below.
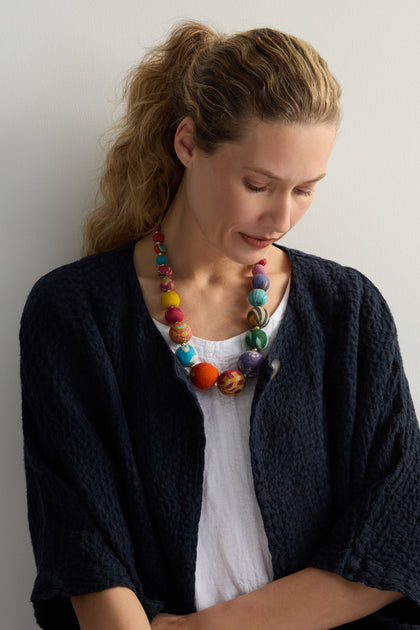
(204, 375)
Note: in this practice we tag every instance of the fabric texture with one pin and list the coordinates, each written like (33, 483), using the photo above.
(114, 442)
(230, 520)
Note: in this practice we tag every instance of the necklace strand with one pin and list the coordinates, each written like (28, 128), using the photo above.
(202, 374)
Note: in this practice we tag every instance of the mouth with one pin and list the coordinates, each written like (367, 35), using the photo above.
(258, 242)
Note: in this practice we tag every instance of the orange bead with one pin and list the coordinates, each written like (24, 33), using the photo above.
(203, 375)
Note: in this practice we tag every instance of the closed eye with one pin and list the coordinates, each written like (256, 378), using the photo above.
(305, 193)
(254, 188)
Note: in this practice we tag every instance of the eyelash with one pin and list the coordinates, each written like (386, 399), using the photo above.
(305, 193)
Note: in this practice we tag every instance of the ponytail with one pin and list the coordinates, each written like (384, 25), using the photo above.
(142, 171)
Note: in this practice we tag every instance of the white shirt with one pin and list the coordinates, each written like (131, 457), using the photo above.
(232, 551)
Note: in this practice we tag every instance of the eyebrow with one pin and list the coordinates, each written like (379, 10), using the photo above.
(263, 171)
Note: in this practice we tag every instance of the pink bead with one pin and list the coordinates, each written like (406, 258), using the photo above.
(164, 270)
(174, 314)
(167, 284)
(258, 269)
(158, 238)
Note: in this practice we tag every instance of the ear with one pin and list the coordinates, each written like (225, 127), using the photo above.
(184, 143)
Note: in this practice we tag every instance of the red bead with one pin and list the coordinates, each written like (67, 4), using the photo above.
(158, 228)
(174, 314)
(158, 238)
(263, 262)
(203, 375)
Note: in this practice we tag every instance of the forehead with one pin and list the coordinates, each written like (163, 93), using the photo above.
(287, 150)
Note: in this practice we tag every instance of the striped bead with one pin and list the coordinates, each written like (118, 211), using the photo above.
(258, 316)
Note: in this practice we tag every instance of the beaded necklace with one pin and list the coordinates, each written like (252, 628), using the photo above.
(204, 375)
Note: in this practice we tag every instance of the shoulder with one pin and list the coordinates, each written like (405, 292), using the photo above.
(78, 287)
(331, 287)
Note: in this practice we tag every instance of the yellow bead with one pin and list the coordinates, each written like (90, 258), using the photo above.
(169, 298)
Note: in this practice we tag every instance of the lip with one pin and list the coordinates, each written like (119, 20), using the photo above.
(258, 242)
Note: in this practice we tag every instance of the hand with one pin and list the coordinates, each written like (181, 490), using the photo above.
(163, 621)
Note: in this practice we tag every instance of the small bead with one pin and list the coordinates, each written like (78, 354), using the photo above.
(258, 269)
(164, 270)
(249, 363)
(180, 332)
(169, 298)
(174, 314)
(256, 339)
(161, 259)
(257, 297)
(167, 284)
(263, 262)
(187, 355)
(158, 228)
(158, 238)
(258, 316)
(159, 248)
(231, 382)
(260, 281)
(204, 375)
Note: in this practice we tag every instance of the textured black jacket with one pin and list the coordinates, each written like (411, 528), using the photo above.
(114, 442)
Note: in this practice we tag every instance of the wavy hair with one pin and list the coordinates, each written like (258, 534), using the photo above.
(221, 82)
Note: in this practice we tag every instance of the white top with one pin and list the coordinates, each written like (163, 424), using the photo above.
(232, 551)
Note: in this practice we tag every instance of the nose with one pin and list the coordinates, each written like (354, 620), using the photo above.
(278, 216)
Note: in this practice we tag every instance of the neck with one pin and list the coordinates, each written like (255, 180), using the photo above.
(190, 254)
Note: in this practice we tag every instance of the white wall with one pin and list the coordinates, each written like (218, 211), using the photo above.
(62, 68)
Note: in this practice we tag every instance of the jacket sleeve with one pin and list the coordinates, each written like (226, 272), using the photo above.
(80, 537)
(376, 538)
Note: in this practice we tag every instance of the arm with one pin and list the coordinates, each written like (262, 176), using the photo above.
(310, 599)
(115, 608)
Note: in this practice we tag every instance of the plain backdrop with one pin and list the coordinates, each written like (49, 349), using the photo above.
(62, 68)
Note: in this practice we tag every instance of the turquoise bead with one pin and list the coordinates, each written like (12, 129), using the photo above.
(257, 297)
(187, 355)
(161, 259)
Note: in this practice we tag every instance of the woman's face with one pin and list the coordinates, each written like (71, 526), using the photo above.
(250, 193)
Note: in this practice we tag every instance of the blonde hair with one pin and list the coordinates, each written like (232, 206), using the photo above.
(220, 82)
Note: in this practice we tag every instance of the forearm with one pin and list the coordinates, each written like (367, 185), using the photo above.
(310, 599)
(113, 609)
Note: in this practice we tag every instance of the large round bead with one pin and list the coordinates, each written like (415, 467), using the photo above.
(174, 314)
(249, 363)
(164, 270)
(258, 316)
(159, 248)
(187, 355)
(231, 382)
(161, 259)
(256, 339)
(169, 298)
(180, 332)
(167, 284)
(260, 281)
(257, 297)
(203, 375)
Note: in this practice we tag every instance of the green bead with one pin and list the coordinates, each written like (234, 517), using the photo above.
(256, 339)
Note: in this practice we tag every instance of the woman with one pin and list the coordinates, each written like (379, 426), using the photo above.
(262, 473)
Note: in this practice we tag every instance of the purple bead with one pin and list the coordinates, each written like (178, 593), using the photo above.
(249, 363)
(260, 281)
